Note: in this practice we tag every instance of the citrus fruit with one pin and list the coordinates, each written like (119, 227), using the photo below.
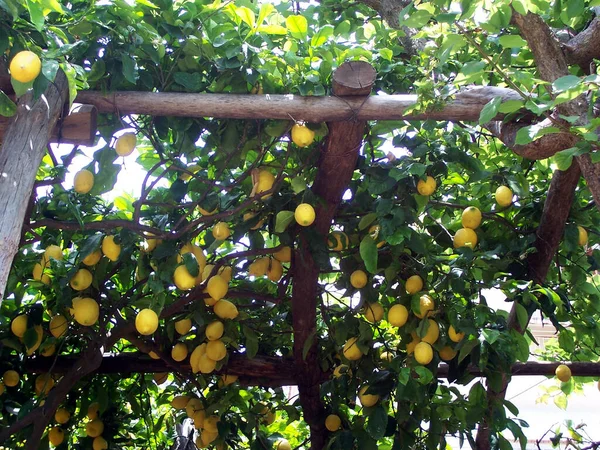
(179, 352)
(160, 378)
(263, 182)
(358, 279)
(197, 252)
(367, 400)
(229, 379)
(504, 196)
(52, 251)
(94, 428)
(333, 422)
(48, 350)
(249, 216)
(85, 310)
(563, 373)
(471, 217)
(183, 326)
(205, 212)
(83, 181)
(427, 186)
(182, 278)
(302, 136)
(206, 364)
(414, 284)
(465, 237)
(56, 436)
(190, 171)
(275, 270)
(351, 350)
(150, 244)
(284, 254)
(433, 332)
(10, 378)
(259, 267)
(180, 401)
(125, 144)
(397, 315)
(447, 353)
(217, 287)
(19, 325)
(214, 330)
(40, 275)
(373, 312)
(216, 350)
(283, 444)
(81, 280)
(193, 405)
(221, 231)
(146, 322)
(99, 443)
(110, 248)
(62, 416)
(337, 241)
(426, 304)
(93, 258)
(153, 355)
(340, 370)
(25, 66)
(92, 411)
(224, 309)
(454, 336)
(43, 384)
(423, 353)
(583, 235)
(304, 214)
(198, 417)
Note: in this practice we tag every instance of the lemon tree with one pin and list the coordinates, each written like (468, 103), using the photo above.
(357, 261)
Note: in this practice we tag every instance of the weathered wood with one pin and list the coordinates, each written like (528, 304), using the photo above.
(466, 106)
(20, 156)
(353, 78)
(583, 48)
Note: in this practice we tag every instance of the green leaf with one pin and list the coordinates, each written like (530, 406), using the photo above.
(366, 221)
(52, 5)
(511, 106)
(418, 19)
(265, 10)
(377, 422)
(129, 68)
(512, 41)
(368, 253)
(321, 36)
(282, 220)
(297, 26)
(30, 337)
(36, 14)
(10, 7)
(490, 110)
(251, 341)
(566, 82)
(7, 106)
(247, 15)
(310, 340)
(191, 264)
(49, 68)
(522, 315)
(564, 158)
(191, 81)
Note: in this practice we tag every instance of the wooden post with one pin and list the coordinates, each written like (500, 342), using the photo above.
(20, 157)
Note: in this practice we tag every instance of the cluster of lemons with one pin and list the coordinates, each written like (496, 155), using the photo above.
(94, 427)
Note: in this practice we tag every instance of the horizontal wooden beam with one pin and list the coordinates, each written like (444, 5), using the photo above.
(466, 105)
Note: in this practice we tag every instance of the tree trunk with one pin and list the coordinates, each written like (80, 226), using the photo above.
(20, 157)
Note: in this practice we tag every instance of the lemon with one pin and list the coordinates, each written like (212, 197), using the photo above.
(210, 424)
(427, 186)
(81, 280)
(259, 267)
(150, 244)
(198, 417)
(19, 325)
(447, 353)
(183, 326)
(94, 428)
(180, 401)
(56, 436)
(358, 279)
(208, 437)
(563, 373)
(333, 422)
(160, 378)
(283, 444)
(83, 181)
(337, 241)
(43, 384)
(414, 284)
(351, 350)
(179, 352)
(52, 251)
(454, 336)
(275, 271)
(217, 287)
(25, 66)
(62, 416)
(263, 182)
(471, 217)
(39, 275)
(198, 254)
(92, 411)
(224, 309)
(193, 405)
(205, 212)
(433, 332)
(250, 215)
(221, 231)
(48, 350)
(182, 278)
(93, 258)
(302, 136)
(504, 196)
(146, 322)
(214, 330)
(410, 347)
(125, 144)
(40, 336)
(284, 254)
(190, 171)
(367, 400)
(386, 356)
(10, 378)
(216, 350)
(110, 248)
(153, 355)
(85, 310)
(465, 237)
(423, 353)
(99, 443)
(229, 379)
(340, 370)
(426, 304)
(373, 312)
(583, 235)
(206, 364)
(196, 356)
(304, 214)
(226, 273)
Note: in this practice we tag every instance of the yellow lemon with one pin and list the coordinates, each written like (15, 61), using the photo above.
(190, 171)
(182, 278)
(433, 332)
(454, 336)
(62, 416)
(25, 66)
(275, 271)
(221, 231)
(340, 370)
(283, 444)
(224, 309)
(193, 405)
(414, 284)
(358, 279)
(205, 212)
(216, 350)
(351, 350)
(229, 379)
(180, 401)
(153, 355)
(94, 428)
(110, 248)
(48, 350)
(160, 378)
(563, 373)
(195, 357)
(302, 136)
(146, 322)
(210, 424)
(373, 312)
(198, 254)
(179, 352)
(284, 254)
(504, 196)
(81, 280)
(93, 258)
(125, 144)
(333, 422)
(208, 437)
(19, 325)
(83, 181)
(85, 310)
(427, 186)
(583, 235)
(99, 443)
(426, 304)
(471, 217)
(337, 241)
(92, 411)
(367, 400)
(206, 364)
(56, 436)
(10, 378)
(226, 273)
(386, 356)
(263, 182)
(40, 334)
(198, 417)
(304, 214)
(465, 237)
(214, 330)
(217, 287)
(40, 275)
(183, 326)
(43, 384)
(423, 353)
(250, 215)
(259, 267)
(447, 353)
(52, 251)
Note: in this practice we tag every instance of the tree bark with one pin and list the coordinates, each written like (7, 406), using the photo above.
(20, 157)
